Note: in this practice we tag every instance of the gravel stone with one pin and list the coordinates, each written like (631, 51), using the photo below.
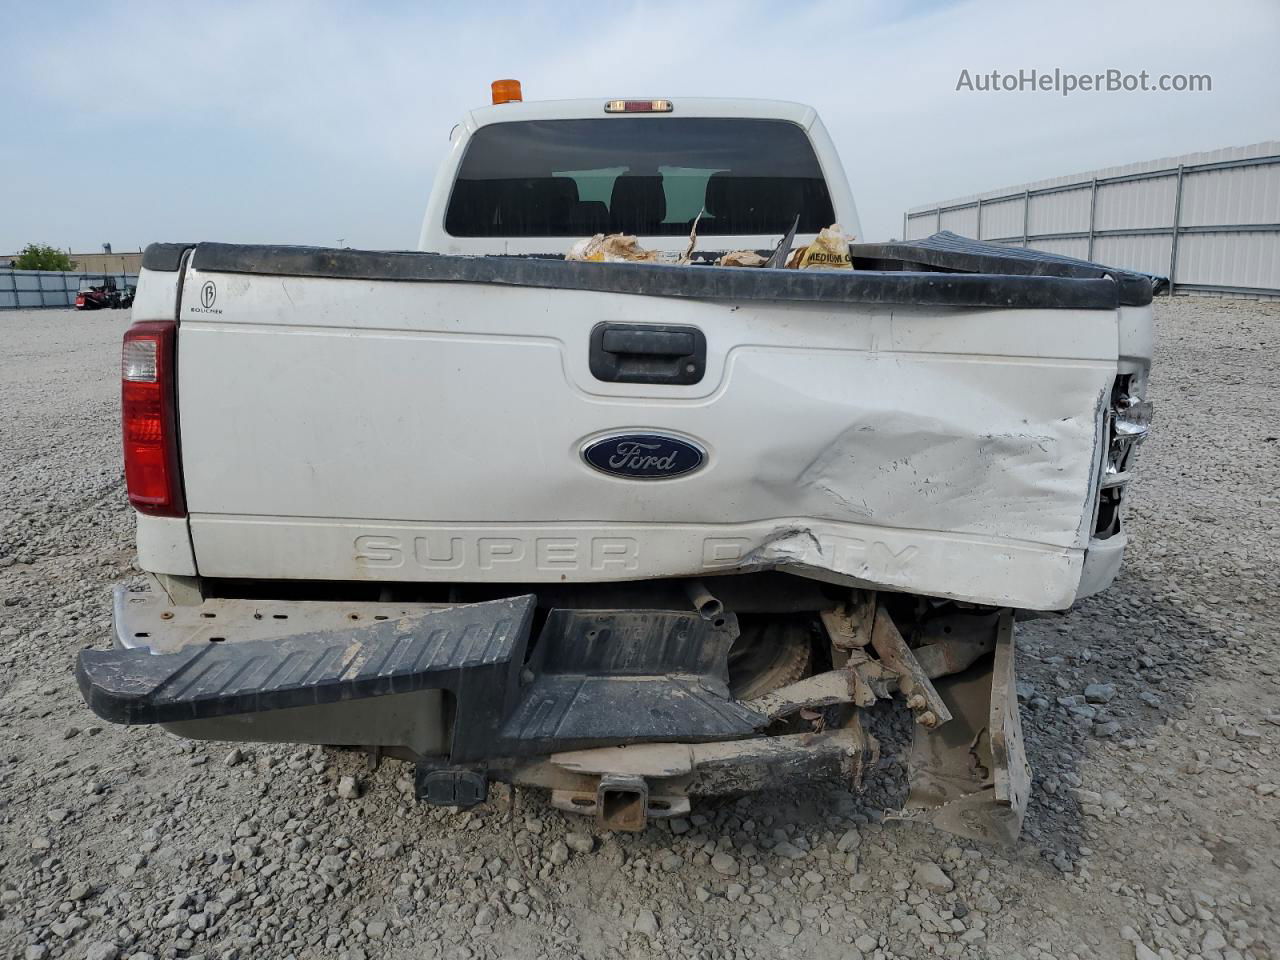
(724, 864)
(1213, 941)
(332, 864)
(558, 853)
(1100, 692)
(932, 878)
(849, 840)
(785, 848)
(647, 923)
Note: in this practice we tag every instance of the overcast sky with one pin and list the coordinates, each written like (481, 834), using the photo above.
(314, 122)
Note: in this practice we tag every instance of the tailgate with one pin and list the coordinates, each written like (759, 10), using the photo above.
(353, 428)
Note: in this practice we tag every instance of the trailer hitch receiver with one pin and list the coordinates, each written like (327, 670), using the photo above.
(622, 803)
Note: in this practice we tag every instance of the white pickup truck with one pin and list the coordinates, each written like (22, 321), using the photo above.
(631, 532)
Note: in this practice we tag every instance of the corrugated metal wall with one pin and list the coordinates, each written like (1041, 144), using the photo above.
(20, 289)
(1210, 221)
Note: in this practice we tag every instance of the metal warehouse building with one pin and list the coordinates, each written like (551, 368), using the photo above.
(1209, 221)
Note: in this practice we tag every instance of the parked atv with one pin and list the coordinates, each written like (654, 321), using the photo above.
(99, 293)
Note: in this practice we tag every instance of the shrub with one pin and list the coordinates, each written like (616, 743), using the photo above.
(41, 256)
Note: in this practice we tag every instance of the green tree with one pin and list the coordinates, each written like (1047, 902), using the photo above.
(41, 256)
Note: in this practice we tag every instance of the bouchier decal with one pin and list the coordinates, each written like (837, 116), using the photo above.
(208, 297)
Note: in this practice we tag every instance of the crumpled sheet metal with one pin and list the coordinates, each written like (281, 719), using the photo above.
(1027, 575)
(910, 469)
(976, 484)
(970, 777)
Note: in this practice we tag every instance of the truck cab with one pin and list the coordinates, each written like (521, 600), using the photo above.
(529, 178)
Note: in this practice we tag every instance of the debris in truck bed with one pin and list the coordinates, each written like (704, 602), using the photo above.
(693, 237)
(829, 251)
(742, 258)
(778, 258)
(614, 248)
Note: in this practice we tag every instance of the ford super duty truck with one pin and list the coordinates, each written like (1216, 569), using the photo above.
(630, 532)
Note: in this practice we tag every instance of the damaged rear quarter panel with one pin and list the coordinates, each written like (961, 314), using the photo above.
(972, 446)
(942, 430)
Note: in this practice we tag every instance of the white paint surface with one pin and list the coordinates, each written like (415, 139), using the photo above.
(339, 429)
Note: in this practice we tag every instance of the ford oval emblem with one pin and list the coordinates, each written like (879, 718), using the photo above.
(643, 456)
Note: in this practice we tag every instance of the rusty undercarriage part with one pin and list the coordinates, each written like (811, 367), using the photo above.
(968, 771)
(624, 786)
(922, 698)
(971, 777)
(820, 690)
(625, 712)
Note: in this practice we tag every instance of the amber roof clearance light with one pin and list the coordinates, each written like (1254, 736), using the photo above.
(506, 91)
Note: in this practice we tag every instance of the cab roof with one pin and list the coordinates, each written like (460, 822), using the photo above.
(584, 109)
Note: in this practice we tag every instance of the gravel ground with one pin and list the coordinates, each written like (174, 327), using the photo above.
(1152, 830)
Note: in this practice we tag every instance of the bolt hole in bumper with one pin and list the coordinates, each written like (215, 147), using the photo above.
(624, 715)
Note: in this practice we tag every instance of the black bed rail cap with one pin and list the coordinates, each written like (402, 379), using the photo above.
(950, 251)
(165, 257)
(889, 287)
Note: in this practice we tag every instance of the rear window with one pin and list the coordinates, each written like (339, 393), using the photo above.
(650, 176)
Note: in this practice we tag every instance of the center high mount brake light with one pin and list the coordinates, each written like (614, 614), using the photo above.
(638, 106)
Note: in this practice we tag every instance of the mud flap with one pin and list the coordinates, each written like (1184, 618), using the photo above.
(970, 776)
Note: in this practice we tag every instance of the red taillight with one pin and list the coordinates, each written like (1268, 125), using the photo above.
(150, 421)
(80, 300)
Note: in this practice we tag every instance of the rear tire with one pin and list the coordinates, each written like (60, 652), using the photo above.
(770, 653)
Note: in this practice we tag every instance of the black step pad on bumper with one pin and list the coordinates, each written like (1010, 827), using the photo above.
(593, 678)
(468, 649)
(574, 713)
(628, 676)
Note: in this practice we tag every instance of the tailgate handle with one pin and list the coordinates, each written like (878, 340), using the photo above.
(671, 343)
(647, 353)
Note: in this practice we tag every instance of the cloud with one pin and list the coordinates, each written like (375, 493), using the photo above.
(308, 122)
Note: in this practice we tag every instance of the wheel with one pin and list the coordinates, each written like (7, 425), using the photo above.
(768, 654)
